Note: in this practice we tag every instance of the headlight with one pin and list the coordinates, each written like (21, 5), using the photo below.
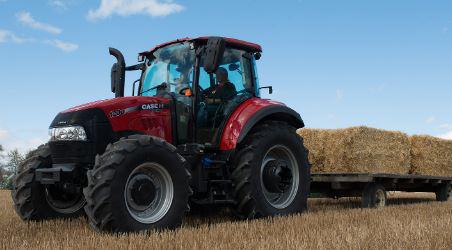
(73, 133)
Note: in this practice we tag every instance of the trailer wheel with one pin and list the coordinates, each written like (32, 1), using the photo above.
(374, 196)
(271, 173)
(35, 202)
(444, 193)
(139, 183)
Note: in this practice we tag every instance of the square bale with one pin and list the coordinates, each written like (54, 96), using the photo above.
(357, 150)
(431, 156)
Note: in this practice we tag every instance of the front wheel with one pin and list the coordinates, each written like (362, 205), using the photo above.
(34, 201)
(271, 175)
(139, 183)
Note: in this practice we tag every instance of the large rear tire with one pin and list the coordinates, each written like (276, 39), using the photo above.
(139, 183)
(272, 173)
(33, 201)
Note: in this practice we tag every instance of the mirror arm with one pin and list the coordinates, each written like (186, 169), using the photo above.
(270, 89)
(139, 66)
(133, 88)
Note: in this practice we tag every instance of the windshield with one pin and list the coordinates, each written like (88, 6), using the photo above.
(170, 70)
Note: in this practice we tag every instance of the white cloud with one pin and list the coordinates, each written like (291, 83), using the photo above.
(445, 126)
(3, 134)
(23, 140)
(59, 4)
(64, 46)
(154, 8)
(430, 120)
(8, 36)
(447, 136)
(25, 145)
(27, 19)
(62, 4)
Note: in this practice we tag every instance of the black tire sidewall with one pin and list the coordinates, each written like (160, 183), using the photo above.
(370, 195)
(37, 202)
(292, 142)
(175, 168)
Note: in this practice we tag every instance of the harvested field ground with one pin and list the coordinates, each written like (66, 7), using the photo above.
(413, 221)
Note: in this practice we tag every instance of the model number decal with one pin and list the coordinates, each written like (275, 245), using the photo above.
(117, 112)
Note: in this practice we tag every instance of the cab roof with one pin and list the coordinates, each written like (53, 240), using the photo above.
(235, 43)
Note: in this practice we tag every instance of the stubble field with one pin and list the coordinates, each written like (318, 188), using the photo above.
(411, 221)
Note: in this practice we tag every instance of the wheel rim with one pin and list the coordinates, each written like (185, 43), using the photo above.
(380, 198)
(148, 193)
(279, 176)
(64, 202)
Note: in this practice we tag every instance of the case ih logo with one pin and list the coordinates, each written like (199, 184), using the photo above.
(152, 106)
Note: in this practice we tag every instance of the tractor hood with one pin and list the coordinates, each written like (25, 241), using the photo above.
(120, 113)
(109, 105)
(135, 114)
(108, 120)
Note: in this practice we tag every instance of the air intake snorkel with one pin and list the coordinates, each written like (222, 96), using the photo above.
(118, 72)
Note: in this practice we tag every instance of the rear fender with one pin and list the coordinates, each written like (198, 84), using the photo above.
(251, 113)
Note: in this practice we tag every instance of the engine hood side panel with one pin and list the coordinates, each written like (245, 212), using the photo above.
(146, 115)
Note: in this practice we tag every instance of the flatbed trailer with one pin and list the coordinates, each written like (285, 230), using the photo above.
(372, 188)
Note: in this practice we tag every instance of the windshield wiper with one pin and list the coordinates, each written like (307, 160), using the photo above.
(161, 85)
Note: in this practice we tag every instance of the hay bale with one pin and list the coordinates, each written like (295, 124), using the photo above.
(431, 156)
(357, 150)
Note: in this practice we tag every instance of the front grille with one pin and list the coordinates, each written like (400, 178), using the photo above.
(97, 128)
(72, 152)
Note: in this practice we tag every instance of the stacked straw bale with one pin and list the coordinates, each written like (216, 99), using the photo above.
(431, 156)
(357, 150)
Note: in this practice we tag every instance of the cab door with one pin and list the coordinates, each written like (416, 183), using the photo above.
(212, 113)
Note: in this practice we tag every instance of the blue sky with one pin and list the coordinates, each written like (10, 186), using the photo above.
(386, 64)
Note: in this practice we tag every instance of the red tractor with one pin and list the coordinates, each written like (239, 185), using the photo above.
(196, 134)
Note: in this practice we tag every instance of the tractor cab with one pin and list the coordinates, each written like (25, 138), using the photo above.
(205, 81)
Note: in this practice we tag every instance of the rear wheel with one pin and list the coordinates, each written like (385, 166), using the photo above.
(33, 201)
(272, 173)
(444, 193)
(374, 196)
(139, 183)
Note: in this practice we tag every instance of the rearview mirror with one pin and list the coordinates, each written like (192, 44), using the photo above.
(213, 53)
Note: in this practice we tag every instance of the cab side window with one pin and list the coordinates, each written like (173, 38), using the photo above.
(222, 92)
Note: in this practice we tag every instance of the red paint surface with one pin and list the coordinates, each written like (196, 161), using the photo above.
(147, 121)
(250, 46)
(239, 118)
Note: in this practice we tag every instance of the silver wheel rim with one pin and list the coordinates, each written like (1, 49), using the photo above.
(153, 207)
(281, 200)
(65, 207)
(380, 199)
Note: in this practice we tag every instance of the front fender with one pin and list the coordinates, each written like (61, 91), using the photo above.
(251, 113)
